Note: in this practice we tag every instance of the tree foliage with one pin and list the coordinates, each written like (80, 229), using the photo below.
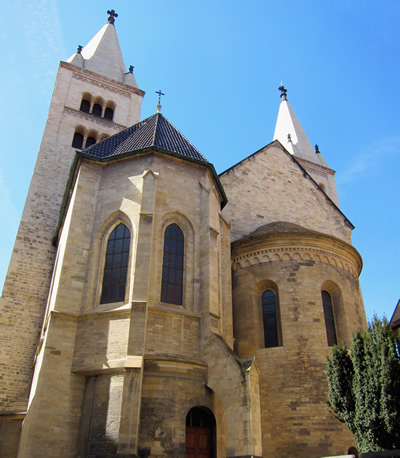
(364, 387)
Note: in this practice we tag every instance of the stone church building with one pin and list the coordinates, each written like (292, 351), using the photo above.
(155, 308)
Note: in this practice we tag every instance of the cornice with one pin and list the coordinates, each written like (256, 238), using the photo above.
(100, 81)
(297, 247)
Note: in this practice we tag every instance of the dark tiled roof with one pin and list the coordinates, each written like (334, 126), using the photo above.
(155, 131)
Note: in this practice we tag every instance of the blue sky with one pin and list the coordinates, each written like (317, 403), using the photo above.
(220, 64)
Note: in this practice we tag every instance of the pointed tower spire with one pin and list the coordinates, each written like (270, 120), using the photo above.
(102, 55)
(288, 124)
(291, 135)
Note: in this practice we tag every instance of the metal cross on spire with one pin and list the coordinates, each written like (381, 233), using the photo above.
(112, 17)
(283, 91)
(159, 100)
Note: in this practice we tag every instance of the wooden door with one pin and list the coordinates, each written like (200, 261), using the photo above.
(199, 442)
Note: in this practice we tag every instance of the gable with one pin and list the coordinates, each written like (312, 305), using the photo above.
(271, 186)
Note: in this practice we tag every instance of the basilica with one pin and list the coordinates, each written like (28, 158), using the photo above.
(155, 308)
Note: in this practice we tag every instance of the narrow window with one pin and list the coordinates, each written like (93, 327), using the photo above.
(270, 319)
(116, 265)
(90, 141)
(172, 273)
(97, 109)
(329, 318)
(77, 141)
(85, 106)
(109, 113)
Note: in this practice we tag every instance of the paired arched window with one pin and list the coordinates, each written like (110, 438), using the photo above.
(329, 318)
(172, 271)
(270, 313)
(116, 265)
(96, 108)
(83, 139)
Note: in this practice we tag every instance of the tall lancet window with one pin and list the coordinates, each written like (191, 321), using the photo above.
(329, 318)
(172, 272)
(116, 265)
(270, 319)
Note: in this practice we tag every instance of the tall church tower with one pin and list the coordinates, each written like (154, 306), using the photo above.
(94, 97)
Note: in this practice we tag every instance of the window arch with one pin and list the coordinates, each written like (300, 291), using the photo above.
(85, 106)
(109, 113)
(97, 109)
(172, 271)
(116, 265)
(270, 315)
(329, 318)
(77, 141)
(90, 141)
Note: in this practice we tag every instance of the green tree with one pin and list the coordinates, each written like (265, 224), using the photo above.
(364, 387)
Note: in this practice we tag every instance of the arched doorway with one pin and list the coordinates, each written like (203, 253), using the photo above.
(200, 433)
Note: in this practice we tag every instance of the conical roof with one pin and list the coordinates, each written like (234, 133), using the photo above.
(153, 132)
(103, 56)
(291, 135)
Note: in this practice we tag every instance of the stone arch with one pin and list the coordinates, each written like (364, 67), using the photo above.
(200, 437)
(109, 110)
(260, 288)
(98, 106)
(86, 102)
(338, 308)
(190, 249)
(91, 138)
(98, 250)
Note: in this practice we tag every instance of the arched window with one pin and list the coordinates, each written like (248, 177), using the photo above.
(77, 141)
(97, 109)
(90, 141)
(172, 273)
(116, 265)
(329, 318)
(109, 113)
(85, 106)
(270, 319)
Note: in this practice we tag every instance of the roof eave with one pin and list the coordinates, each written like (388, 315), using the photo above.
(80, 155)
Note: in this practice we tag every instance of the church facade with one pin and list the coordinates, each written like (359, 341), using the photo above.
(155, 308)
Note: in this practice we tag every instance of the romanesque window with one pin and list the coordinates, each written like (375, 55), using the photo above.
(97, 109)
(116, 265)
(77, 141)
(270, 314)
(85, 106)
(329, 318)
(172, 272)
(90, 141)
(109, 113)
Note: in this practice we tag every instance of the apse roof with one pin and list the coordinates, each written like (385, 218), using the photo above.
(153, 132)
(281, 228)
